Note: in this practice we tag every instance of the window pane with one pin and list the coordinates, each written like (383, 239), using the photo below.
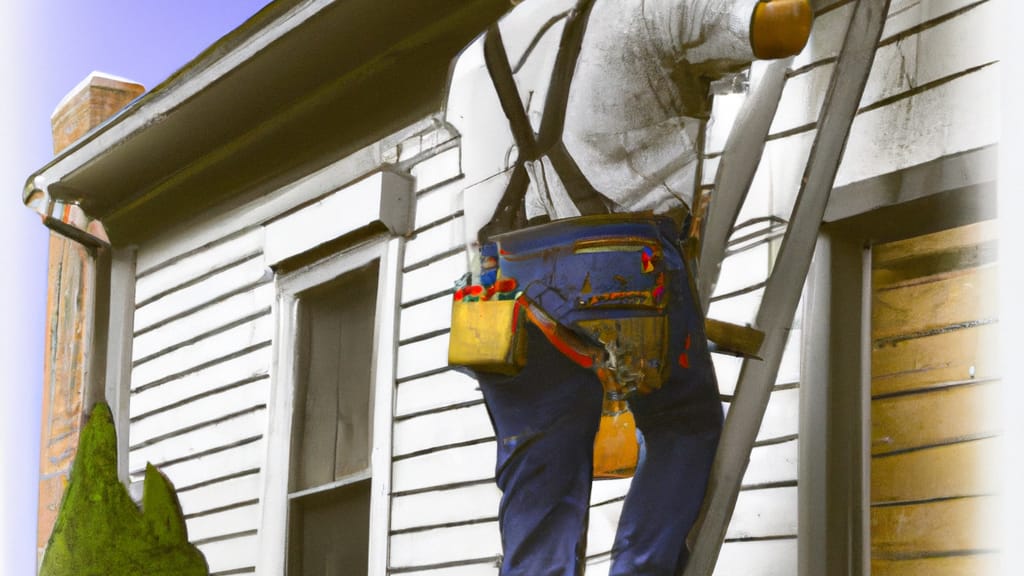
(334, 428)
(333, 530)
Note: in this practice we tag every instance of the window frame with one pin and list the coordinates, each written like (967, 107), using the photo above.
(835, 406)
(290, 287)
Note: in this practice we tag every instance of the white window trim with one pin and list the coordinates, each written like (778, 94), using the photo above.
(273, 531)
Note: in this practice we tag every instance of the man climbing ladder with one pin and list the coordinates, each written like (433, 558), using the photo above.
(605, 104)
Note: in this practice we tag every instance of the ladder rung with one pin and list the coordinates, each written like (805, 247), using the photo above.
(734, 339)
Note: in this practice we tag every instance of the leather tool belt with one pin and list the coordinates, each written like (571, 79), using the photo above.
(597, 286)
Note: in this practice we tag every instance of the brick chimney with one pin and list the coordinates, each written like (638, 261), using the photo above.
(70, 308)
(89, 104)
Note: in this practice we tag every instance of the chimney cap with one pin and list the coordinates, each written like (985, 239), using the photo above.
(100, 80)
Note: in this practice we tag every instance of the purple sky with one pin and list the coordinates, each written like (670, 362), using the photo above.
(46, 48)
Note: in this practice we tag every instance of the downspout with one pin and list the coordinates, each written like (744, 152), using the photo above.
(78, 308)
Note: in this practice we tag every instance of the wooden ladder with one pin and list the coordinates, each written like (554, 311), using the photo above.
(739, 162)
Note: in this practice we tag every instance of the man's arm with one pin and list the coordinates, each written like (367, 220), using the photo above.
(726, 33)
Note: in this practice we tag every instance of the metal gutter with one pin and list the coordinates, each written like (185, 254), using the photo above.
(297, 86)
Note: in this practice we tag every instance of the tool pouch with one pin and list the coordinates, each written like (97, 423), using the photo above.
(488, 335)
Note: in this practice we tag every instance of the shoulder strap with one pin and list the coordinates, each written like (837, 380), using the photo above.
(511, 212)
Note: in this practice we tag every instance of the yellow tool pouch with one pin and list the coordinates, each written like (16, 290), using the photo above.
(488, 335)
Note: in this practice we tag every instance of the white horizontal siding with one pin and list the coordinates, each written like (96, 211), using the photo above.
(447, 506)
(488, 568)
(182, 445)
(764, 514)
(448, 544)
(758, 558)
(169, 276)
(200, 411)
(230, 521)
(441, 238)
(200, 387)
(229, 311)
(232, 371)
(772, 464)
(442, 429)
(229, 555)
(236, 277)
(446, 388)
(431, 280)
(228, 492)
(444, 467)
(438, 203)
(203, 352)
(422, 356)
(428, 316)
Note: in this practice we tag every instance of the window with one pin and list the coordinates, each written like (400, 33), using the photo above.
(330, 424)
(329, 500)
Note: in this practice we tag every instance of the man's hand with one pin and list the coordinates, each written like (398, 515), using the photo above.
(780, 28)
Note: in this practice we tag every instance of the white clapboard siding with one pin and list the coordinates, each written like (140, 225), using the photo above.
(448, 506)
(438, 239)
(605, 490)
(740, 309)
(782, 169)
(435, 391)
(758, 558)
(604, 518)
(237, 277)
(433, 279)
(744, 269)
(723, 113)
(229, 492)
(444, 467)
(438, 204)
(727, 371)
(187, 268)
(764, 513)
(202, 352)
(781, 419)
(905, 14)
(422, 356)
(226, 432)
(442, 429)
(957, 116)
(232, 371)
(231, 555)
(200, 411)
(802, 97)
(448, 544)
(772, 464)
(599, 565)
(200, 385)
(439, 168)
(228, 521)
(826, 35)
(214, 465)
(428, 316)
(488, 568)
(222, 313)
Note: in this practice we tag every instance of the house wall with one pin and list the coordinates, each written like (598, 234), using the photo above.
(203, 322)
(200, 382)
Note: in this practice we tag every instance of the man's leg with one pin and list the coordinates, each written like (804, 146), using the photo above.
(545, 419)
(681, 423)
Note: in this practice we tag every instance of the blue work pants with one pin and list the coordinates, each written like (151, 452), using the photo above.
(545, 419)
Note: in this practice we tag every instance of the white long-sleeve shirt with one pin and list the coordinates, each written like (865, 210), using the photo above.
(637, 99)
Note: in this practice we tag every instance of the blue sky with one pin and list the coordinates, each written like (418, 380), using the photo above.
(46, 48)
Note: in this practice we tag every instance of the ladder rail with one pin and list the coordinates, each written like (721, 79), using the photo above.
(740, 159)
(782, 292)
